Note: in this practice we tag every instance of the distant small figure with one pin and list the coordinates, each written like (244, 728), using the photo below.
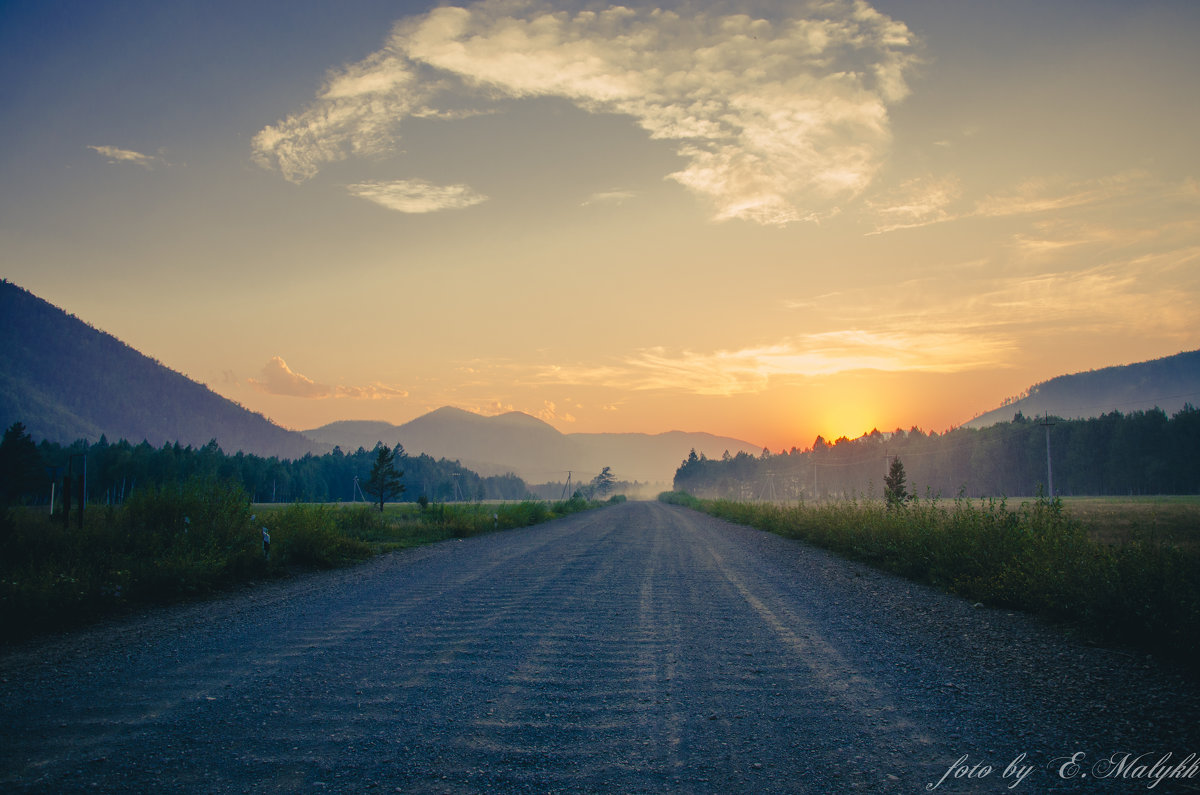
(266, 544)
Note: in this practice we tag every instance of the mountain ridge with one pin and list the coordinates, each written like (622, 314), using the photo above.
(67, 380)
(531, 448)
(1166, 383)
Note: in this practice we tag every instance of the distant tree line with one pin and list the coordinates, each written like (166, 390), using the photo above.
(115, 470)
(601, 487)
(1142, 452)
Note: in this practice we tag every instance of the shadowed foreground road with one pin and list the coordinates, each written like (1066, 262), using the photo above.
(639, 648)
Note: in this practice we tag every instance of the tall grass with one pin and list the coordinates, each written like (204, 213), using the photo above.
(180, 541)
(162, 544)
(1034, 557)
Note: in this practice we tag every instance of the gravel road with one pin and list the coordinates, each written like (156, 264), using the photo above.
(638, 648)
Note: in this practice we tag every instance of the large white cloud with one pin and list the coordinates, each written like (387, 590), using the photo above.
(778, 119)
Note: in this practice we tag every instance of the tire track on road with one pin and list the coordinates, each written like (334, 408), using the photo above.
(892, 737)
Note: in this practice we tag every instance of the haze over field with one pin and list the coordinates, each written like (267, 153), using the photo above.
(761, 220)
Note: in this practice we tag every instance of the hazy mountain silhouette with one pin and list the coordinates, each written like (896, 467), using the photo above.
(66, 380)
(526, 446)
(1165, 383)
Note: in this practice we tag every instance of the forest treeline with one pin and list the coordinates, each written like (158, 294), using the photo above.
(115, 470)
(1142, 452)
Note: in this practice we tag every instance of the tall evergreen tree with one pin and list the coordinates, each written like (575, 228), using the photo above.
(603, 483)
(384, 480)
(895, 490)
(20, 465)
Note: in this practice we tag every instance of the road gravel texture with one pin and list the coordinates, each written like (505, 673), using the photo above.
(637, 648)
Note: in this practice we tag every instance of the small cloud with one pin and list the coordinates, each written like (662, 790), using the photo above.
(374, 391)
(550, 412)
(279, 379)
(117, 155)
(811, 303)
(416, 196)
(609, 197)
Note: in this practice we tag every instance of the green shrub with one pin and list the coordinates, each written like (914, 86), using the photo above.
(308, 535)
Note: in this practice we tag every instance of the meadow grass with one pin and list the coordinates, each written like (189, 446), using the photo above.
(1173, 520)
(1036, 556)
(188, 540)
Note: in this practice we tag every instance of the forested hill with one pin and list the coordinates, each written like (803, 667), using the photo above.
(1166, 383)
(66, 381)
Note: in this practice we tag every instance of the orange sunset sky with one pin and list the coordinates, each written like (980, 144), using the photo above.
(762, 220)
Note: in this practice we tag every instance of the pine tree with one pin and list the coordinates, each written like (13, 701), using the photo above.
(894, 489)
(20, 465)
(384, 481)
(604, 482)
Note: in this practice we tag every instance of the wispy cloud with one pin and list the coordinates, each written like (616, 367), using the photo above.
(609, 197)
(1043, 195)
(1139, 291)
(118, 155)
(916, 202)
(417, 196)
(751, 369)
(279, 379)
(778, 120)
(934, 200)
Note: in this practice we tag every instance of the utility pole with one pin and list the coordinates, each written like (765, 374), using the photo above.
(1047, 423)
(566, 486)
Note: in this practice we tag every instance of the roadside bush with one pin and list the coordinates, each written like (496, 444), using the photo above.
(186, 538)
(308, 535)
(161, 545)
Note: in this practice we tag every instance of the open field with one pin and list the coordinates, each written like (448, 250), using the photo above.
(1173, 520)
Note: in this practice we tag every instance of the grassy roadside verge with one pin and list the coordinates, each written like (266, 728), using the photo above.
(181, 542)
(1035, 557)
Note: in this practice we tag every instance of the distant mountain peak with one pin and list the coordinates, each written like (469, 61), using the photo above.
(532, 448)
(451, 411)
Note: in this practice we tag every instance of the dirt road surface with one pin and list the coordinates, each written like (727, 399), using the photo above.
(637, 648)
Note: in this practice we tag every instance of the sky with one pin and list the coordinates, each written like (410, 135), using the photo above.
(765, 220)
